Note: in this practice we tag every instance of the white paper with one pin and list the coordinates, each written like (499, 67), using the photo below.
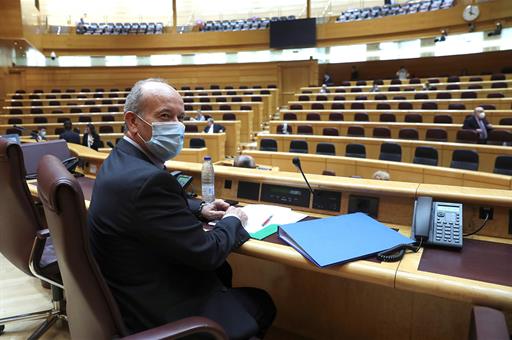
(262, 215)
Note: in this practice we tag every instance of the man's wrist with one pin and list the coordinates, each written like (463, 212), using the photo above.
(200, 209)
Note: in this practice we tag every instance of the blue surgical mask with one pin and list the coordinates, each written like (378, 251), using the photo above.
(167, 139)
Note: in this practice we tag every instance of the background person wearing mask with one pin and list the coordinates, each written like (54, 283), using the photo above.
(69, 135)
(477, 122)
(402, 73)
(211, 127)
(146, 235)
(91, 139)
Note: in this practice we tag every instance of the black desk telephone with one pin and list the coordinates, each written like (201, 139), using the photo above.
(437, 223)
(433, 223)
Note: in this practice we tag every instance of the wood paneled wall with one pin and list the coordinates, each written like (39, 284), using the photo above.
(488, 62)
(289, 76)
(10, 26)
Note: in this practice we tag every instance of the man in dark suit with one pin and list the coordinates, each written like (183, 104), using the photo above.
(478, 123)
(211, 127)
(147, 237)
(69, 135)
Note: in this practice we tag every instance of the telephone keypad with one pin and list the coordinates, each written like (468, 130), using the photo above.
(448, 224)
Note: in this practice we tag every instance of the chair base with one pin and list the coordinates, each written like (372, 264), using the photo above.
(51, 316)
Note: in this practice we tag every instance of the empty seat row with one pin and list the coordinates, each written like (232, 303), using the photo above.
(449, 79)
(383, 117)
(420, 96)
(241, 24)
(222, 99)
(228, 87)
(387, 106)
(391, 10)
(496, 137)
(71, 110)
(119, 28)
(461, 159)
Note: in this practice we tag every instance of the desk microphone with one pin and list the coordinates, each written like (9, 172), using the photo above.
(296, 162)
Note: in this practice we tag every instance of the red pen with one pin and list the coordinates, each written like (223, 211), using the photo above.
(267, 220)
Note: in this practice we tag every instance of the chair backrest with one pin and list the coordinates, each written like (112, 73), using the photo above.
(499, 137)
(357, 106)
(506, 121)
(381, 132)
(338, 106)
(503, 165)
(456, 107)
(390, 152)
(197, 143)
(267, 144)
(429, 106)
(407, 133)
(413, 118)
(305, 129)
(464, 159)
(284, 129)
(383, 106)
(443, 119)
(405, 106)
(91, 309)
(355, 150)
(329, 131)
(19, 220)
(436, 135)
(355, 131)
(336, 116)
(317, 106)
(290, 116)
(361, 117)
(228, 116)
(191, 128)
(467, 136)
(300, 146)
(295, 107)
(326, 149)
(387, 117)
(313, 116)
(425, 155)
(106, 129)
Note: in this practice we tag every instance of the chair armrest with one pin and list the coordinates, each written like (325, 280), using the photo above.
(488, 323)
(181, 328)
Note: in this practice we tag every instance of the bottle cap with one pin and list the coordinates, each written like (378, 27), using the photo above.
(207, 158)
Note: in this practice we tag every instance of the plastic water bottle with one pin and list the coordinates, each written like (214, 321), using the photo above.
(208, 180)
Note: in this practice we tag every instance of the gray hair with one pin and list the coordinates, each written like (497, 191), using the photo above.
(244, 161)
(134, 99)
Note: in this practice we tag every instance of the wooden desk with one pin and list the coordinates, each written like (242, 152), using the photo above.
(339, 300)
(28, 118)
(215, 142)
(343, 126)
(499, 103)
(493, 116)
(487, 153)
(365, 168)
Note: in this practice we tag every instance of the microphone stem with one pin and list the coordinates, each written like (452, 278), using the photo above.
(306, 180)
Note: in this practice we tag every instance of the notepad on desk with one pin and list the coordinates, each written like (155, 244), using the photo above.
(263, 219)
(340, 239)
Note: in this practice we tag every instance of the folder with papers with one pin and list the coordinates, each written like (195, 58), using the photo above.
(340, 239)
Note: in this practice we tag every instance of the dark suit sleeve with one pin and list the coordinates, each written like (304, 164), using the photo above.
(205, 128)
(469, 124)
(84, 139)
(169, 226)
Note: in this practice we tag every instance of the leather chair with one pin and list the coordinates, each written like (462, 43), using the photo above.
(390, 152)
(464, 159)
(197, 143)
(24, 242)
(91, 309)
(425, 155)
(299, 146)
(267, 144)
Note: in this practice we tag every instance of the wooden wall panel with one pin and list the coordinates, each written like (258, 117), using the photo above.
(488, 62)
(10, 26)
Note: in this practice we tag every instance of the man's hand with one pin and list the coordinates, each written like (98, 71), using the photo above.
(215, 210)
(238, 213)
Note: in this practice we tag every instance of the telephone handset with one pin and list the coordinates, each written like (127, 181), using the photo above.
(437, 223)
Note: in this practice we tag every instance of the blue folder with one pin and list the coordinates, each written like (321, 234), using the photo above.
(340, 239)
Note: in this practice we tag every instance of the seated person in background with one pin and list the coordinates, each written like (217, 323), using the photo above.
(324, 89)
(199, 117)
(402, 73)
(375, 88)
(477, 122)
(211, 127)
(91, 139)
(354, 73)
(327, 80)
(381, 175)
(40, 135)
(148, 238)
(69, 135)
(244, 161)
